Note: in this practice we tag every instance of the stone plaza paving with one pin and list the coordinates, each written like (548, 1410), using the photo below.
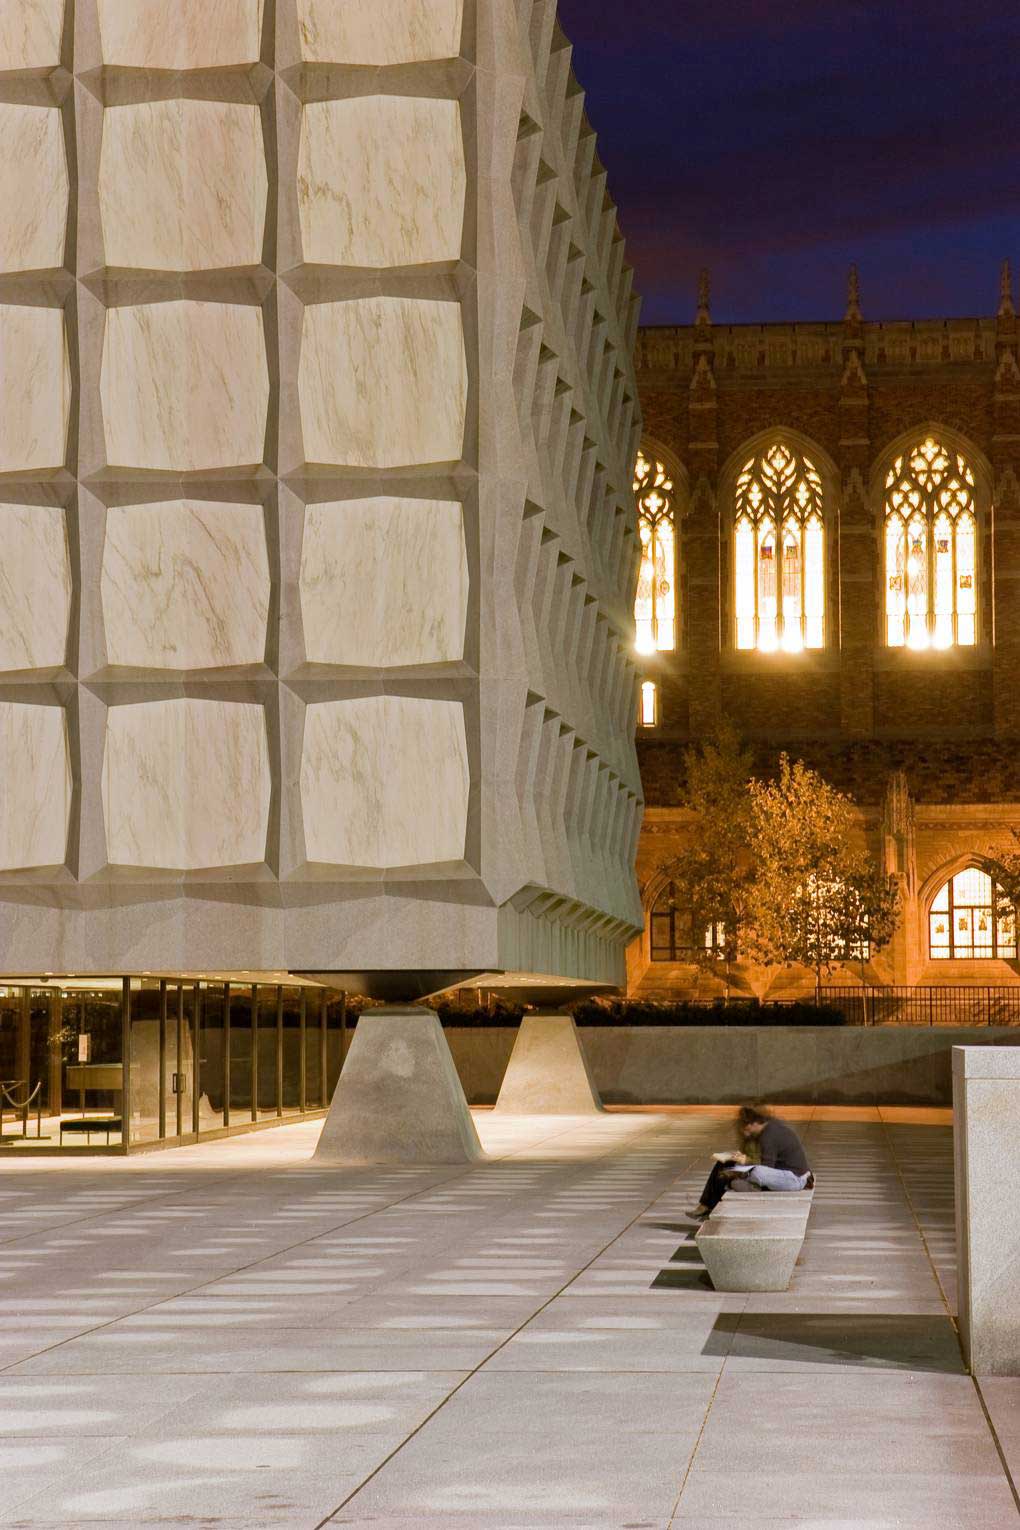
(226, 1336)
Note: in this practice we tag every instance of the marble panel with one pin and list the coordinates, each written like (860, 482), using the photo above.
(383, 382)
(185, 585)
(33, 188)
(35, 389)
(35, 803)
(380, 31)
(35, 587)
(364, 767)
(186, 784)
(184, 386)
(384, 582)
(182, 185)
(381, 181)
(30, 34)
(189, 34)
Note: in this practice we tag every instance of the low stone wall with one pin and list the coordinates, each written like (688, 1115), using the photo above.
(720, 1065)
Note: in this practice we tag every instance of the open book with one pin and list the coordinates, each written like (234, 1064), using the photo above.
(731, 1162)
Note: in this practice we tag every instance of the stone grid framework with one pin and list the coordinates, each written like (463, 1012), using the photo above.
(926, 743)
(316, 534)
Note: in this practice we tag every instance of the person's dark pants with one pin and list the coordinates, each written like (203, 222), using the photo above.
(715, 1187)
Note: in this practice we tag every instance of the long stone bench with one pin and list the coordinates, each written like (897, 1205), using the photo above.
(751, 1242)
(764, 1203)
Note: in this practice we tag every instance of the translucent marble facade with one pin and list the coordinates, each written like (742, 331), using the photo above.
(317, 535)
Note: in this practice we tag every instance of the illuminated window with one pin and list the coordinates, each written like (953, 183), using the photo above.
(655, 611)
(970, 919)
(930, 549)
(672, 937)
(649, 704)
(779, 553)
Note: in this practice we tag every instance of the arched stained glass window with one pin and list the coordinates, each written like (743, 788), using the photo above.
(930, 549)
(969, 918)
(655, 610)
(779, 552)
(672, 935)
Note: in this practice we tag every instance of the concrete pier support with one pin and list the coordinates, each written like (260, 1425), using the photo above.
(986, 1140)
(547, 1074)
(398, 1099)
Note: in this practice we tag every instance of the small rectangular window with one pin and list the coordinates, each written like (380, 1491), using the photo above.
(649, 704)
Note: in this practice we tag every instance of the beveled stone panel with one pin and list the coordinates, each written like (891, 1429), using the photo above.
(182, 185)
(364, 768)
(381, 181)
(184, 386)
(35, 803)
(379, 31)
(35, 587)
(186, 784)
(384, 582)
(30, 34)
(35, 389)
(383, 382)
(185, 585)
(187, 34)
(33, 188)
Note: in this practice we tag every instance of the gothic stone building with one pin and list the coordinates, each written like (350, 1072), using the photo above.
(830, 518)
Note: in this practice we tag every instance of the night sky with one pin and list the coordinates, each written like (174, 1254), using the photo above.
(776, 141)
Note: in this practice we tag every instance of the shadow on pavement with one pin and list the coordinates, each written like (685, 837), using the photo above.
(882, 1341)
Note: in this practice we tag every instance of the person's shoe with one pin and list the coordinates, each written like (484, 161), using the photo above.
(698, 1213)
(810, 1185)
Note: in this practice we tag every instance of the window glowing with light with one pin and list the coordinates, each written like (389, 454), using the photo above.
(655, 612)
(930, 549)
(649, 704)
(779, 553)
(672, 931)
(970, 919)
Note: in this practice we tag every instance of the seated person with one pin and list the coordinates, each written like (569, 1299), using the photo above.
(782, 1163)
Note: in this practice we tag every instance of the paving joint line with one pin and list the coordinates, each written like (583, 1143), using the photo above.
(952, 1316)
(330, 1518)
(455, 1174)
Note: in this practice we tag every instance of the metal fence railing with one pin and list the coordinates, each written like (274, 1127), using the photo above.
(949, 1005)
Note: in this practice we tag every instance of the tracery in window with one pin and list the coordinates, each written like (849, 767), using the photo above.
(970, 919)
(655, 611)
(930, 549)
(672, 934)
(779, 552)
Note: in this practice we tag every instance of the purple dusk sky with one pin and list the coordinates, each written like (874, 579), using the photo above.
(776, 141)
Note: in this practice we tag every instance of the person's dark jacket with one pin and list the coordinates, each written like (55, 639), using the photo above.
(781, 1148)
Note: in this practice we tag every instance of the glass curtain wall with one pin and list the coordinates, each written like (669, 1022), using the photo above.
(202, 1057)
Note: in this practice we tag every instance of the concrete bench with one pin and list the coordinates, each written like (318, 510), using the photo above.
(764, 1203)
(751, 1242)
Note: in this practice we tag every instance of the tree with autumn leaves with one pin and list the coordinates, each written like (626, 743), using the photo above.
(711, 875)
(775, 866)
(817, 899)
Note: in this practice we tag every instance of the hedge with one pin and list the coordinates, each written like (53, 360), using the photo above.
(644, 1012)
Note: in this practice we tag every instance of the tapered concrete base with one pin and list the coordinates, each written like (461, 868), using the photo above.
(548, 1073)
(399, 1099)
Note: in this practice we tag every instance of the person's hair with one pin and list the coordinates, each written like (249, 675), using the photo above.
(753, 1115)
